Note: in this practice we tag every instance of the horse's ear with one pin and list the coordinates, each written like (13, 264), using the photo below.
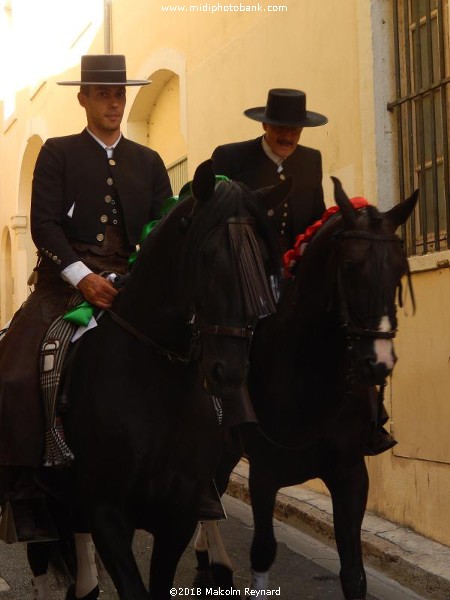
(401, 212)
(272, 196)
(346, 207)
(204, 181)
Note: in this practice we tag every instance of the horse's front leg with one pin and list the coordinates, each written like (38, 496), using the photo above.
(169, 542)
(264, 546)
(113, 537)
(349, 487)
(214, 566)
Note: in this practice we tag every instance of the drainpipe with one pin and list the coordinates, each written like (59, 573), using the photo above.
(107, 25)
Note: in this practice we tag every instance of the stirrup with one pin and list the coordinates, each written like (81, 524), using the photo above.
(27, 520)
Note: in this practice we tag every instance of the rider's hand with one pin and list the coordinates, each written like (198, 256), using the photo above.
(97, 290)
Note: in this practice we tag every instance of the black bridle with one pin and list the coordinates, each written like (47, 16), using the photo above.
(255, 290)
(351, 330)
(194, 346)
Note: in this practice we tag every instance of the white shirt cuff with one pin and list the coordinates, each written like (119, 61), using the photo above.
(75, 272)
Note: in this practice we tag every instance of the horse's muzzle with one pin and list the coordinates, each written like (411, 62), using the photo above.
(376, 372)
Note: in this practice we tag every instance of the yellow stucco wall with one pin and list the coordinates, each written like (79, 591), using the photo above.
(208, 68)
(414, 486)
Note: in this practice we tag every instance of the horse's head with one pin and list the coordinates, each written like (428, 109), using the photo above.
(370, 264)
(232, 272)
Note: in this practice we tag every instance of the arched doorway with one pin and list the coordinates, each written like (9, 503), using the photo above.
(154, 120)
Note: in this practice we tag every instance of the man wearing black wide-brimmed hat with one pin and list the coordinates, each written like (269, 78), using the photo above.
(264, 161)
(112, 186)
(92, 193)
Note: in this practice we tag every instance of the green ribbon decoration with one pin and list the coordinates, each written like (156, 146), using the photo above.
(222, 178)
(167, 206)
(83, 313)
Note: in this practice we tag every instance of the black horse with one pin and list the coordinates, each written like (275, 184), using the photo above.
(313, 365)
(144, 432)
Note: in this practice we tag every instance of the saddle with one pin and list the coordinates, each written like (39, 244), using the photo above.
(58, 350)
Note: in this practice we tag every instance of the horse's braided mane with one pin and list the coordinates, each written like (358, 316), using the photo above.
(335, 221)
(190, 225)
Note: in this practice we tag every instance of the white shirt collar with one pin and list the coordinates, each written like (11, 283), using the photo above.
(108, 149)
(274, 157)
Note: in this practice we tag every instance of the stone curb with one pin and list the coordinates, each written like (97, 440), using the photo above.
(407, 557)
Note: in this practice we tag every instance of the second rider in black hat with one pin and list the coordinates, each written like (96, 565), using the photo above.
(264, 161)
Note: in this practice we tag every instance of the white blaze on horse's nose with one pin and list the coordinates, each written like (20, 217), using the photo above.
(384, 349)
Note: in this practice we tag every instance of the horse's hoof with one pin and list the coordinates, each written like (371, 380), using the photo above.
(222, 576)
(91, 596)
(203, 580)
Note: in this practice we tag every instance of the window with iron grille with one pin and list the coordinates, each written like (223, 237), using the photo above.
(421, 108)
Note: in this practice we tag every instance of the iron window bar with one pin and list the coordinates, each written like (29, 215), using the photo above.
(421, 115)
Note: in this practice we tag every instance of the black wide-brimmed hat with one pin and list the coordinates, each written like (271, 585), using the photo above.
(287, 108)
(104, 69)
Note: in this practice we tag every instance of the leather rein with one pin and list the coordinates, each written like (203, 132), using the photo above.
(196, 331)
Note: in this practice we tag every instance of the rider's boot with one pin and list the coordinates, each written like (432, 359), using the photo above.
(379, 439)
(41, 587)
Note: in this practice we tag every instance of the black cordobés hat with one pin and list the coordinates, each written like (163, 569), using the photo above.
(287, 108)
(104, 69)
